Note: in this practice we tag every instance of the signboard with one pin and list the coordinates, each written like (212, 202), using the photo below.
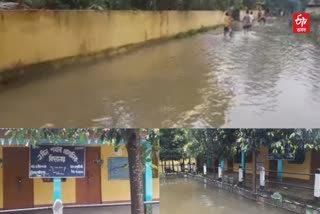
(49, 161)
(118, 168)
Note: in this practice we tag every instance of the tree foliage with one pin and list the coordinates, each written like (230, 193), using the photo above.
(224, 143)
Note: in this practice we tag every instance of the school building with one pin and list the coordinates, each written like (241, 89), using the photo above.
(18, 190)
(301, 167)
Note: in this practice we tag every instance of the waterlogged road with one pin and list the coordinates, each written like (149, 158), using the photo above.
(270, 78)
(182, 196)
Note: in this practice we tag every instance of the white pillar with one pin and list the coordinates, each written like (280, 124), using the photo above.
(317, 184)
(57, 207)
(204, 169)
(220, 172)
(240, 176)
(262, 177)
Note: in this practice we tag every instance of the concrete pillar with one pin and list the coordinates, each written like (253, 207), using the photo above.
(262, 177)
(240, 175)
(317, 184)
(204, 169)
(243, 163)
(57, 207)
(208, 163)
(222, 165)
(219, 172)
(280, 170)
(148, 194)
(148, 176)
(57, 189)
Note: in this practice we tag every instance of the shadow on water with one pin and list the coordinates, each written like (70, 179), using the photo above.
(247, 81)
(183, 196)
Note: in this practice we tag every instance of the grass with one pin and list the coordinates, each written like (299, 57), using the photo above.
(194, 32)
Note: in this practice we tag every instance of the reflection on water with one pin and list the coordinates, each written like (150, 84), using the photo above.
(183, 196)
(269, 78)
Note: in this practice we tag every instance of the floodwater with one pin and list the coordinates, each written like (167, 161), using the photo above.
(185, 196)
(269, 78)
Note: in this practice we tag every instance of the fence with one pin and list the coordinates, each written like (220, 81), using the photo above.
(269, 181)
(261, 197)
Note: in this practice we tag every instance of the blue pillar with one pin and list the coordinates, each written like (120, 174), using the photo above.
(208, 163)
(57, 189)
(243, 162)
(222, 165)
(148, 196)
(148, 173)
(280, 170)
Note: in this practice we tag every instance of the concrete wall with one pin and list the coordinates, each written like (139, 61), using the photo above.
(31, 37)
(302, 168)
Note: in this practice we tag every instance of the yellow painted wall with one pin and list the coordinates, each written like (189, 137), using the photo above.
(302, 168)
(69, 191)
(115, 190)
(118, 190)
(40, 36)
(1, 181)
(43, 192)
(112, 191)
(156, 189)
(176, 164)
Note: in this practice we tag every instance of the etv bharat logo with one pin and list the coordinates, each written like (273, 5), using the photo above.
(301, 23)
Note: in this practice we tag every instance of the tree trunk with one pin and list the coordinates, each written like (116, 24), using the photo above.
(165, 166)
(172, 165)
(136, 171)
(184, 166)
(254, 174)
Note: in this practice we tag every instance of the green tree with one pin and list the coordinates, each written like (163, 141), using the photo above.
(172, 143)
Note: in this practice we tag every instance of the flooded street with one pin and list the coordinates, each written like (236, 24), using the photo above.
(183, 196)
(269, 78)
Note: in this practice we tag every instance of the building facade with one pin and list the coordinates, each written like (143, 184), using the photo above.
(18, 191)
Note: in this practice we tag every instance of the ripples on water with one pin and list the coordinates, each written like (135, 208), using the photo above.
(268, 78)
(183, 196)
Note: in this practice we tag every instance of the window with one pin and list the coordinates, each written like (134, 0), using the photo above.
(118, 168)
(299, 158)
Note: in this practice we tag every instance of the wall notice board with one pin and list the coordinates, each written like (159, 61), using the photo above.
(118, 168)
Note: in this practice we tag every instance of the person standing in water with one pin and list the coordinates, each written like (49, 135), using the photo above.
(227, 25)
(246, 22)
(251, 19)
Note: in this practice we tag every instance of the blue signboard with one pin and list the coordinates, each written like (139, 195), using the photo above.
(118, 168)
(47, 161)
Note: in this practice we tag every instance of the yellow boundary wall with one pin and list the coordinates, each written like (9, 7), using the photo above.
(32, 37)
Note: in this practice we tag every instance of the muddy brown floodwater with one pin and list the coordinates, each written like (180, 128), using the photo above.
(270, 78)
(184, 196)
